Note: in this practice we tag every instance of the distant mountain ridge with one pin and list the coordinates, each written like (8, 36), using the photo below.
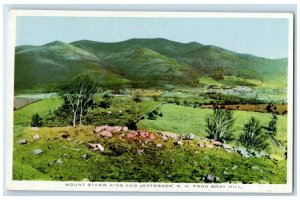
(137, 63)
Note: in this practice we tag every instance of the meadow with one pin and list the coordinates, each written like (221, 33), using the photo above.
(62, 158)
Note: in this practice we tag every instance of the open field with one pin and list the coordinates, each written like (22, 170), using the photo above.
(181, 119)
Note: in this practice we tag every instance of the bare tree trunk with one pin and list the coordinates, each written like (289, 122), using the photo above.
(74, 118)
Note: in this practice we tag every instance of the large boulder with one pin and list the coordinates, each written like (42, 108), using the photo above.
(144, 134)
(106, 133)
(100, 128)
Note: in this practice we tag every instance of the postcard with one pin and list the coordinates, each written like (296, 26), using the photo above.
(150, 101)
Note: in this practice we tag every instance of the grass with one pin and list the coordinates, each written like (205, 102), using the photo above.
(23, 116)
(181, 119)
(186, 164)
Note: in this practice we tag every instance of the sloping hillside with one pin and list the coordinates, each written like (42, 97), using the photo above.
(139, 63)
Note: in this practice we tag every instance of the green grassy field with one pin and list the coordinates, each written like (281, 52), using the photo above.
(23, 116)
(181, 119)
(120, 162)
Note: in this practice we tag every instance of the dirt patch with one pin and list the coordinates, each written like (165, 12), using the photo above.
(21, 102)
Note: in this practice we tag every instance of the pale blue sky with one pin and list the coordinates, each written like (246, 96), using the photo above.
(260, 37)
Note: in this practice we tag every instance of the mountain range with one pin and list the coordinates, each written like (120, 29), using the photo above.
(138, 63)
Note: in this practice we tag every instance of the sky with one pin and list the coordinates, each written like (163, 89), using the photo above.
(261, 37)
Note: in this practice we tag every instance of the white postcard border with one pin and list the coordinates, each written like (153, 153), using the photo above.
(134, 186)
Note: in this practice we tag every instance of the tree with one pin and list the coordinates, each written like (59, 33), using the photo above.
(272, 129)
(36, 120)
(78, 97)
(219, 125)
(218, 73)
(253, 137)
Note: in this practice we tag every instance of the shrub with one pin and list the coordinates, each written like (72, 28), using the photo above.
(36, 120)
(253, 137)
(272, 130)
(219, 125)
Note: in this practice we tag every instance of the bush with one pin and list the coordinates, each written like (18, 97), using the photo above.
(219, 125)
(36, 120)
(253, 137)
(272, 130)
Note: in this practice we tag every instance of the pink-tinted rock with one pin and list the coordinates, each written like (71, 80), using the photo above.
(152, 137)
(106, 134)
(216, 143)
(100, 128)
(125, 128)
(144, 134)
(130, 135)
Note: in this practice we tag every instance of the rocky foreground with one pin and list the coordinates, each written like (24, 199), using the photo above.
(181, 158)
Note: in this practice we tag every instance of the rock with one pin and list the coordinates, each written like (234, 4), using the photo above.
(165, 138)
(275, 157)
(100, 128)
(140, 151)
(211, 178)
(217, 143)
(201, 144)
(227, 146)
(225, 173)
(92, 146)
(255, 168)
(96, 147)
(234, 167)
(132, 134)
(170, 135)
(106, 133)
(59, 161)
(65, 155)
(22, 141)
(34, 128)
(114, 129)
(37, 151)
(159, 145)
(144, 134)
(152, 137)
(190, 136)
(243, 152)
(209, 145)
(100, 147)
(169, 176)
(179, 143)
(108, 112)
(36, 137)
(125, 128)
(85, 156)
